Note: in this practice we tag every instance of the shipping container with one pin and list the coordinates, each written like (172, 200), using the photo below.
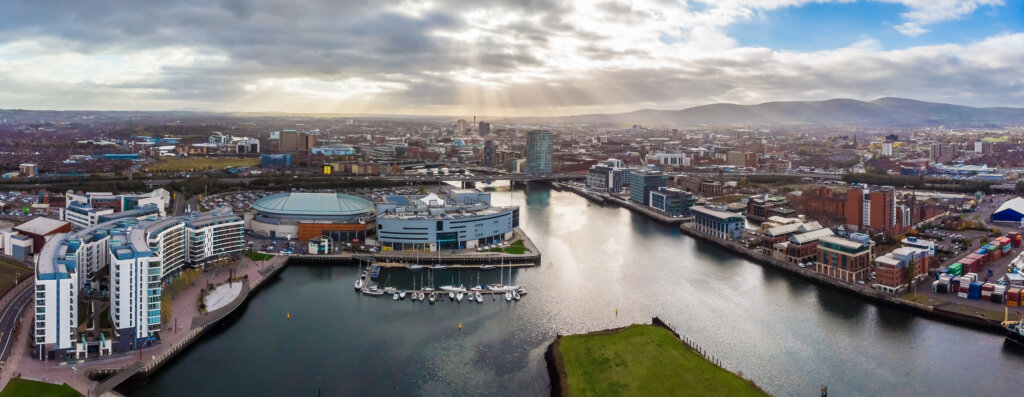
(1013, 296)
(996, 298)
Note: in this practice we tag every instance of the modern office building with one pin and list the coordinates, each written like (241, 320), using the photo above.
(294, 141)
(849, 260)
(462, 219)
(642, 182)
(307, 215)
(720, 224)
(892, 268)
(671, 201)
(538, 152)
(872, 208)
(490, 153)
(485, 128)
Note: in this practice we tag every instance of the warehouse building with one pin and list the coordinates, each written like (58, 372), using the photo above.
(1011, 211)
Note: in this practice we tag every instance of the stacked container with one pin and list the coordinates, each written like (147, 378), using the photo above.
(974, 291)
(943, 284)
(999, 294)
(1013, 297)
(964, 291)
(986, 291)
(954, 284)
(969, 278)
(1004, 244)
(957, 269)
(1015, 239)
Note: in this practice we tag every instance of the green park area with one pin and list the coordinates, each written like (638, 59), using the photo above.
(18, 387)
(9, 270)
(259, 256)
(516, 248)
(201, 163)
(640, 360)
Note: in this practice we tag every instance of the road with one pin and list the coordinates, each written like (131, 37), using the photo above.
(9, 318)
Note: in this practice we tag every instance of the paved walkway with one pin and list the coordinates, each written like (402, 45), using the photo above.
(222, 295)
(183, 309)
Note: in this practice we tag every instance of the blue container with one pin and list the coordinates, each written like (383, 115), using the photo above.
(975, 287)
(974, 296)
(981, 251)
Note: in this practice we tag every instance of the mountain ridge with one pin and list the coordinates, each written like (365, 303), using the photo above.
(884, 111)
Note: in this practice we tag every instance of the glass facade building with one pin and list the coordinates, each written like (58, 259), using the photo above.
(538, 152)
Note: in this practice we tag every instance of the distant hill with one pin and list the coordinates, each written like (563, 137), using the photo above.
(879, 112)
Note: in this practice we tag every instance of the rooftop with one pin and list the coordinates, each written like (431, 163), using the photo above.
(40, 226)
(313, 204)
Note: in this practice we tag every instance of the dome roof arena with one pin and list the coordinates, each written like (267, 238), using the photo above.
(312, 205)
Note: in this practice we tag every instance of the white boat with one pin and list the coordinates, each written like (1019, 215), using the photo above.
(413, 267)
(401, 294)
(451, 295)
(508, 296)
(439, 267)
(501, 288)
(419, 296)
(373, 291)
(515, 295)
(390, 290)
(394, 297)
(432, 298)
(479, 297)
(359, 284)
(488, 267)
(452, 288)
(459, 296)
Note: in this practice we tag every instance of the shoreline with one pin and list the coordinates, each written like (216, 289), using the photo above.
(931, 312)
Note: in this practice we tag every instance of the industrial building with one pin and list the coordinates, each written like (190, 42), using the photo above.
(462, 219)
(308, 215)
(1010, 211)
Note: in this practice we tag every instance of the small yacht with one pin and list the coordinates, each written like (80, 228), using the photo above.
(432, 298)
(459, 296)
(401, 294)
(439, 267)
(479, 297)
(413, 266)
(359, 284)
(515, 295)
(451, 295)
(394, 297)
(508, 296)
(488, 267)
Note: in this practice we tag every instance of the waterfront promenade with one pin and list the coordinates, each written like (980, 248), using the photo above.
(949, 311)
(185, 324)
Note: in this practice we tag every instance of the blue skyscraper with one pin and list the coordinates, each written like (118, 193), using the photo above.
(538, 152)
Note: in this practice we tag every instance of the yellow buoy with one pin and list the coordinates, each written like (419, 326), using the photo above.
(288, 315)
(460, 326)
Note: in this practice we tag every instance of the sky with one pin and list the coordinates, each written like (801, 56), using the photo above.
(503, 58)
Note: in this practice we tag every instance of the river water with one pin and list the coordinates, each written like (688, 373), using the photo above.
(787, 335)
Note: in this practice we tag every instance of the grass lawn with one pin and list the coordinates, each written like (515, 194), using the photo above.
(727, 199)
(8, 270)
(259, 256)
(516, 248)
(643, 360)
(202, 163)
(18, 387)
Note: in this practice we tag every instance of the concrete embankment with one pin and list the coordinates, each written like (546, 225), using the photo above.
(872, 295)
(200, 325)
(603, 199)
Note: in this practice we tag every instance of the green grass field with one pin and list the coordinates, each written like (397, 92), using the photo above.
(643, 360)
(516, 248)
(202, 163)
(258, 256)
(18, 387)
(10, 269)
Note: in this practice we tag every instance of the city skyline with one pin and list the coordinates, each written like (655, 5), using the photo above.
(505, 59)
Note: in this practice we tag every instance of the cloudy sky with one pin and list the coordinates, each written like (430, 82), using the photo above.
(503, 58)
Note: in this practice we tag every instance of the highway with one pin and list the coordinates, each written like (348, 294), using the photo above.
(9, 318)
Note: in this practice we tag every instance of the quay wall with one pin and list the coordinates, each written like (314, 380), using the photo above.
(872, 295)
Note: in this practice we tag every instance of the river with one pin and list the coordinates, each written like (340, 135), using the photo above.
(787, 335)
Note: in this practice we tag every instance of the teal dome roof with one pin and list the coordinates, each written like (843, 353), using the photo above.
(313, 204)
